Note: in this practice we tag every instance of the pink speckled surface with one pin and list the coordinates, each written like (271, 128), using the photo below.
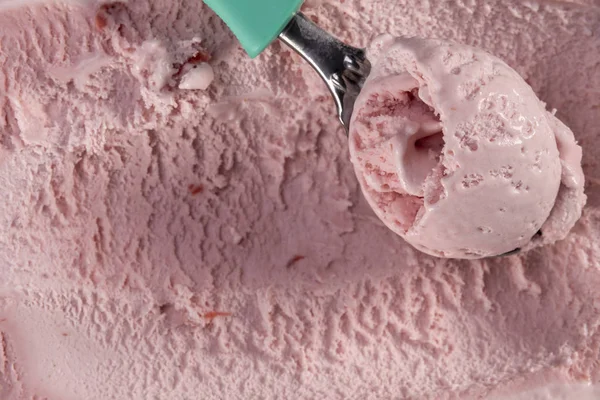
(161, 243)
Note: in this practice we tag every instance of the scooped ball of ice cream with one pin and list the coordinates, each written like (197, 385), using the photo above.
(455, 153)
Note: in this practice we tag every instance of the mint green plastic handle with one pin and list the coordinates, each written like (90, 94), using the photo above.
(256, 23)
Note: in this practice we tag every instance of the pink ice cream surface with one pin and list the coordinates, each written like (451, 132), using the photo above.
(178, 221)
(456, 154)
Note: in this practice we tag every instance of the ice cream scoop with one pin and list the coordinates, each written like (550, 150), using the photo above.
(456, 154)
(415, 137)
(258, 23)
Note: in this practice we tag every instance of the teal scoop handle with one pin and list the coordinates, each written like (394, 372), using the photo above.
(256, 23)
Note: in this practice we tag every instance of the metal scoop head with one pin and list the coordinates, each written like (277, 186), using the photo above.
(343, 68)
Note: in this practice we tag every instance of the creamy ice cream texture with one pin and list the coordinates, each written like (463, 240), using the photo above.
(456, 154)
(158, 241)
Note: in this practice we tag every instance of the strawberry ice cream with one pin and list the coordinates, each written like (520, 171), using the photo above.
(456, 154)
(178, 221)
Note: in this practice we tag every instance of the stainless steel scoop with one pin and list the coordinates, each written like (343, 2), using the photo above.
(257, 23)
(343, 68)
